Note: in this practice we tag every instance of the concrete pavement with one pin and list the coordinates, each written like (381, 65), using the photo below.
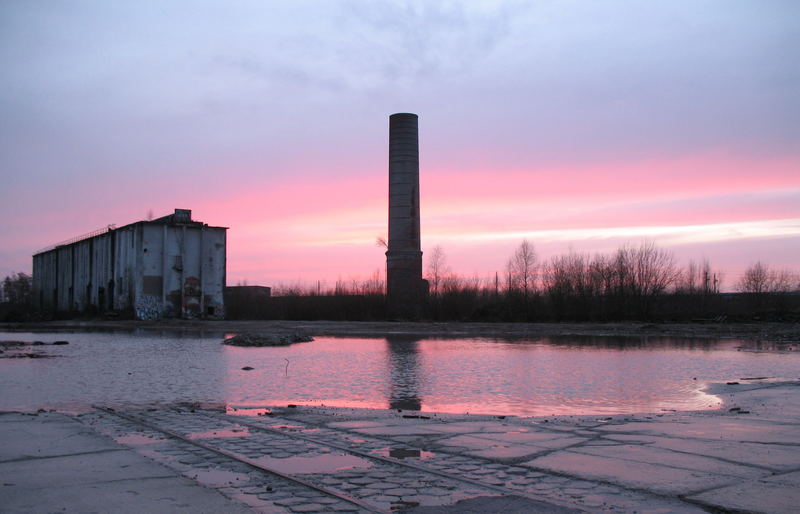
(744, 457)
(50, 462)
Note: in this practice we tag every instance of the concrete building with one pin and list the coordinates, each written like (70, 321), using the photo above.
(170, 267)
(405, 288)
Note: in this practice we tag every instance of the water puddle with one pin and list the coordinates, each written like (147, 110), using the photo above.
(235, 431)
(406, 453)
(138, 439)
(403, 505)
(327, 463)
(597, 376)
(167, 460)
(248, 411)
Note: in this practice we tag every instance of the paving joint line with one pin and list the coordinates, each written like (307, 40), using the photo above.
(637, 490)
(511, 461)
(396, 462)
(243, 459)
(36, 457)
(676, 467)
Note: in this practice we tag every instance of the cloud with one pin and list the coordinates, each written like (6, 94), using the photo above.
(533, 115)
(407, 42)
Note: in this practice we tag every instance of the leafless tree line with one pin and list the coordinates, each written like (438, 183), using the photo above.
(15, 289)
(373, 285)
(15, 297)
(758, 278)
(634, 282)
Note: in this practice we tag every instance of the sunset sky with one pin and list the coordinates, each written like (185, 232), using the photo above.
(577, 125)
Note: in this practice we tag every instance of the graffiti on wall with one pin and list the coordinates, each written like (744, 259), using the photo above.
(148, 307)
(191, 297)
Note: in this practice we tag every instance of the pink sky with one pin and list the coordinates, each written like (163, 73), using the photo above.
(699, 207)
(579, 127)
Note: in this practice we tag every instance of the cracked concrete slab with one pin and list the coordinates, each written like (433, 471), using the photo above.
(678, 462)
(87, 468)
(470, 427)
(721, 427)
(60, 464)
(507, 452)
(774, 457)
(637, 475)
(398, 430)
(484, 441)
(673, 459)
(484, 504)
(44, 435)
(134, 496)
(772, 495)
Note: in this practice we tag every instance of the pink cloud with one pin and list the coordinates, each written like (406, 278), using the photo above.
(327, 229)
(295, 229)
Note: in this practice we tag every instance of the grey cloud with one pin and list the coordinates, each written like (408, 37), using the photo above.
(409, 41)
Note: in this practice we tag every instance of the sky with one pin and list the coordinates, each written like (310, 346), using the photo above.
(580, 126)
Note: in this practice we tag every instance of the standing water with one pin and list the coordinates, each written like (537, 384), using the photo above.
(546, 376)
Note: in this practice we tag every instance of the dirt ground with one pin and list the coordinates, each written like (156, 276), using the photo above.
(754, 332)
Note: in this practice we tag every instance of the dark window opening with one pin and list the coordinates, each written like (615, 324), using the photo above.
(210, 311)
(111, 295)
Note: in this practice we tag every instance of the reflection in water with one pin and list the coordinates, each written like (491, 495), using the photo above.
(615, 342)
(235, 431)
(529, 377)
(111, 368)
(404, 373)
(406, 453)
(315, 463)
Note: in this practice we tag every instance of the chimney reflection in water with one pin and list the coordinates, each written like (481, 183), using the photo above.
(404, 372)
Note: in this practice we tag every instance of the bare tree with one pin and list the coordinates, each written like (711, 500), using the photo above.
(698, 278)
(690, 279)
(784, 281)
(755, 279)
(567, 275)
(437, 269)
(646, 270)
(642, 273)
(601, 275)
(759, 278)
(374, 285)
(17, 288)
(521, 269)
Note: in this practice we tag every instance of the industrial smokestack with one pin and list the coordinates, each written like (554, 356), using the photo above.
(405, 288)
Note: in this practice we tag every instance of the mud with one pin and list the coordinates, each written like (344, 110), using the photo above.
(788, 332)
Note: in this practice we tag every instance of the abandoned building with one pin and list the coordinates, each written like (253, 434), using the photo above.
(169, 267)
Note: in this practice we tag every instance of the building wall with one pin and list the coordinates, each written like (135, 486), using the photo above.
(181, 272)
(101, 276)
(155, 269)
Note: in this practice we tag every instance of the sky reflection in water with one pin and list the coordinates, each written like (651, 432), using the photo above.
(601, 375)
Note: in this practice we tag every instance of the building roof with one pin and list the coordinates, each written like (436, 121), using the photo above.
(179, 217)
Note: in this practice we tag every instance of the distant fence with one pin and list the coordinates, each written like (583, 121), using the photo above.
(88, 235)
